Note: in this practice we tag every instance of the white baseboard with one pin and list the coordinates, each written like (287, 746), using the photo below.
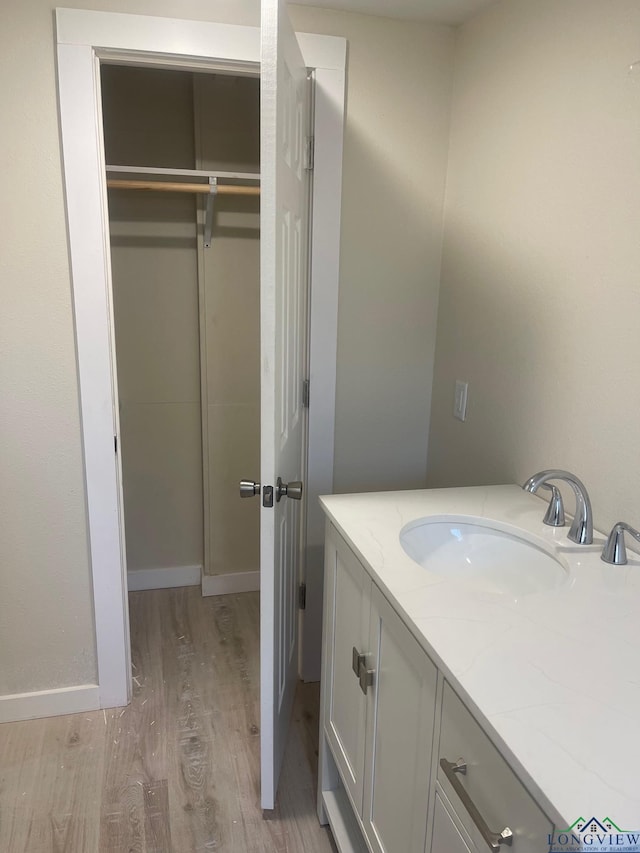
(138, 579)
(49, 703)
(233, 582)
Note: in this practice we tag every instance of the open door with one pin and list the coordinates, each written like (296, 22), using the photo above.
(283, 274)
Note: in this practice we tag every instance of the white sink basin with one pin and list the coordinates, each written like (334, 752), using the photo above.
(469, 550)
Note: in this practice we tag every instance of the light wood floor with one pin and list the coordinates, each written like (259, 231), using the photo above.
(178, 769)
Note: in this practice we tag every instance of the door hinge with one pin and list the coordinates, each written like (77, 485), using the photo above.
(302, 596)
(309, 146)
(115, 443)
(305, 393)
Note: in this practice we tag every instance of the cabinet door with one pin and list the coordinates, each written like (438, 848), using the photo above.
(400, 722)
(446, 835)
(346, 628)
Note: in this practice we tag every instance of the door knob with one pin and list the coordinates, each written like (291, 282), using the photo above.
(288, 490)
(248, 488)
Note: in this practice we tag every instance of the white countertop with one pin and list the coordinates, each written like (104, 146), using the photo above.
(554, 678)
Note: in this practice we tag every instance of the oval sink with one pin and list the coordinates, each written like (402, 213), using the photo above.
(466, 550)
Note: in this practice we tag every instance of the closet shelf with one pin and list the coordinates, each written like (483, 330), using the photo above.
(211, 188)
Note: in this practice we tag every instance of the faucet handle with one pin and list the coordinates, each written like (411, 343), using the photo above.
(615, 551)
(554, 516)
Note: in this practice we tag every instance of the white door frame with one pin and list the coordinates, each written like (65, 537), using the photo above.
(83, 38)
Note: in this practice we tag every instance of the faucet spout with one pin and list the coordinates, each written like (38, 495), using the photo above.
(581, 530)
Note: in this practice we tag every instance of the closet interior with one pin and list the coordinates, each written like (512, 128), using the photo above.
(182, 153)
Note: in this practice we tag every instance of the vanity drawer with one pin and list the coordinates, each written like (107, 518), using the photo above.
(489, 792)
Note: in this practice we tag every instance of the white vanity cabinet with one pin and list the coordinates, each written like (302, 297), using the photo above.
(347, 605)
(399, 746)
(378, 706)
(394, 737)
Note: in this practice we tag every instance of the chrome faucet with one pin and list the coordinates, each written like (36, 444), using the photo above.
(615, 551)
(581, 530)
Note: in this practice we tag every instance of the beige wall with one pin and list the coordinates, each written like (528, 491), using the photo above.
(46, 616)
(394, 161)
(148, 121)
(396, 136)
(229, 139)
(540, 291)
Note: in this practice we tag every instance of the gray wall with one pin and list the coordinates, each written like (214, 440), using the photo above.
(148, 121)
(540, 295)
(229, 139)
(396, 138)
(46, 614)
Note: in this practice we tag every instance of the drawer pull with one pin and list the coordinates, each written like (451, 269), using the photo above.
(494, 839)
(359, 666)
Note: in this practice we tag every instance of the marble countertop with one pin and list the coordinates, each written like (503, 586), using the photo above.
(554, 677)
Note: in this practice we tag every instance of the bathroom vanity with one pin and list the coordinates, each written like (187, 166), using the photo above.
(467, 701)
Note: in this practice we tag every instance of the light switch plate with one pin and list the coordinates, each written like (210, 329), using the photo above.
(460, 400)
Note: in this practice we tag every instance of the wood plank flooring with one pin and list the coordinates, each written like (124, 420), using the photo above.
(178, 769)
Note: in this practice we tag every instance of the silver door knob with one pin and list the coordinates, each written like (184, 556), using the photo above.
(248, 488)
(288, 490)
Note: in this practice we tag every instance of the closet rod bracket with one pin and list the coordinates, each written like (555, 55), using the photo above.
(208, 223)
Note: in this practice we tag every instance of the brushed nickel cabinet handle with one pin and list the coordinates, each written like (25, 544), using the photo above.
(494, 839)
(357, 660)
(359, 667)
(365, 677)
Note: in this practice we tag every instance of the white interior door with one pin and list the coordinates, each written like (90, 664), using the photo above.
(283, 271)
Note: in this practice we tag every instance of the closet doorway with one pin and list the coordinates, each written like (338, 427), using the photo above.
(182, 155)
(186, 299)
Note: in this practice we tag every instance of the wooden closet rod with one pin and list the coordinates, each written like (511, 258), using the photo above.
(172, 187)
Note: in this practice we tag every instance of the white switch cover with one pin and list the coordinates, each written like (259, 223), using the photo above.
(460, 401)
